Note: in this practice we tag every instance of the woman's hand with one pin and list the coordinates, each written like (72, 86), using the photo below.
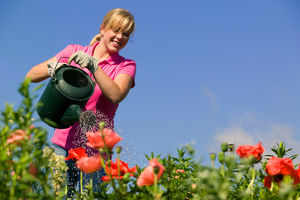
(52, 67)
(84, 60)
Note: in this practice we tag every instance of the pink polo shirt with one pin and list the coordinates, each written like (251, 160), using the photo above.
(72, 137)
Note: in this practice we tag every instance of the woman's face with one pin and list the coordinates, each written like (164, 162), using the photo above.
(113, 41)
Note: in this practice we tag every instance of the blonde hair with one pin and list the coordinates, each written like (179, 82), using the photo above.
(119, 20)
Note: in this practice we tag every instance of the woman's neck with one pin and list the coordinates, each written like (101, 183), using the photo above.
(100, 52)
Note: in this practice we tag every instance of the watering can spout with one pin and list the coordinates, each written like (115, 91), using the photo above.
(71, 114)
(87, 119)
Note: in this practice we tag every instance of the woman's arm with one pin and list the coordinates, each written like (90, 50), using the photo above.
(39, 72)
(114, 90)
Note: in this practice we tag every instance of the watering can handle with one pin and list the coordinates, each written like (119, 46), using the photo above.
(58, 62)
(54, 75)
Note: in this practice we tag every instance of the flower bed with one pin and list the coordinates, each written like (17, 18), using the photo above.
(30, 170)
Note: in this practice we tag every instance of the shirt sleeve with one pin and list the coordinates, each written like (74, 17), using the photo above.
(129, 68)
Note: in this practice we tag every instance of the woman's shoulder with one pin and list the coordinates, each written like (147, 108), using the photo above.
(76, 47)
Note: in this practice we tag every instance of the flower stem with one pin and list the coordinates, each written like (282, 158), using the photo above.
(109, 175)
(272, 187)
(155, 183)
(119, 172)
(66, 188)
(250, 186)
(222, 170)
(106, 150)
(81, 188)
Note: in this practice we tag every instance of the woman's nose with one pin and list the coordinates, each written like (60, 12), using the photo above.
(119, 35)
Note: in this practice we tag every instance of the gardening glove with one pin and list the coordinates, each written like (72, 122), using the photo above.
(53, 66)
(84, 60)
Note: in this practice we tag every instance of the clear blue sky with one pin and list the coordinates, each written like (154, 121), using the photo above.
(207, 71)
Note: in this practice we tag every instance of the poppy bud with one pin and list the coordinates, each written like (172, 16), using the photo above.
(212, 156)
(231, 147)
(102, 125)
(126, 177)
(156, 169)
(101, 150)
(221, 157)
(118, 149)
(224, 147)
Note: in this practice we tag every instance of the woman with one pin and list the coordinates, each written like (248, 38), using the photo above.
(113, 74)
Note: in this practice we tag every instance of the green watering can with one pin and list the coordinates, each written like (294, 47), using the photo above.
(66, 94)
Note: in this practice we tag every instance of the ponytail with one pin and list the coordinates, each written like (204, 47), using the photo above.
(95, 39)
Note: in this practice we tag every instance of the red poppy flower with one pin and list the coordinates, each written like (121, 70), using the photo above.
(96, 139)
(76, 154)
(106, 178)
(147, 177)
(277, 168)
(245, 151)
(112, 169)
(89, 164)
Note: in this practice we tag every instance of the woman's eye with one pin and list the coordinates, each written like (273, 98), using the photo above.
(126, 34)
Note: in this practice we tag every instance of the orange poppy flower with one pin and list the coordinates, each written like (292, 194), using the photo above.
(16, 137)
(95, 139)
(147, 177)
(89, 164)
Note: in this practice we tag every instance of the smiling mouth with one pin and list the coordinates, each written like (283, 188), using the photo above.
(117, 43)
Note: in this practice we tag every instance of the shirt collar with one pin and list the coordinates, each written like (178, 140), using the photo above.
(112, 59)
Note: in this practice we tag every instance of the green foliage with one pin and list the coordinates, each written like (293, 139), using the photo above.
(280, 151)
(24, 172)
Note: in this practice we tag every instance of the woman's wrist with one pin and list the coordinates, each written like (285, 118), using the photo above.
(97, 70)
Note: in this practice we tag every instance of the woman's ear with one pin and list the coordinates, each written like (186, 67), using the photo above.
(102, 27)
